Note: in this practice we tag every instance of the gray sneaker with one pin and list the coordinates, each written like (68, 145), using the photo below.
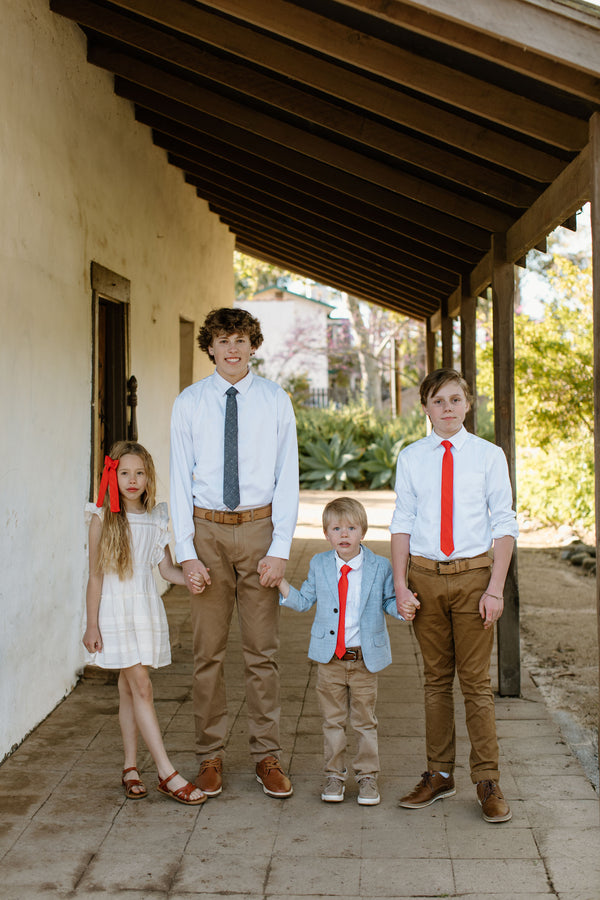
(368, 795)
(333, 791)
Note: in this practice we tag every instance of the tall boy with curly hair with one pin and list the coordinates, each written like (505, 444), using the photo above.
(234, 503)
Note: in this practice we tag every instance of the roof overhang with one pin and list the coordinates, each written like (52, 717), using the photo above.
(373, 146)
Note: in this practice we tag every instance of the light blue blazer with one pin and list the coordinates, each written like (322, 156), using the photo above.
(377, 598)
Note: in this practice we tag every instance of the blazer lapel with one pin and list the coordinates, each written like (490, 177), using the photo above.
(369, 568)
(330, 571)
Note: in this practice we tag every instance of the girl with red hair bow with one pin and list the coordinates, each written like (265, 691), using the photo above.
(127, 625)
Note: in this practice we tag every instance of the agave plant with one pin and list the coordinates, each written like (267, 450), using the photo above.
(380, 460)
(332, 464)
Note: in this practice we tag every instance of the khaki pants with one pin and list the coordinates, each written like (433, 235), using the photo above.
(232, 552)
(452, 639)
(348, 688)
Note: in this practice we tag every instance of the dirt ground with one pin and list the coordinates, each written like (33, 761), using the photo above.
(559, 629)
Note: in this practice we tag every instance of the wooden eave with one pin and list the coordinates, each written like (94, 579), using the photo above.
(375, 146)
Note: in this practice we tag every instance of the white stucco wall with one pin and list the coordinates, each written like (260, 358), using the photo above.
(295, 338)
(80, 180)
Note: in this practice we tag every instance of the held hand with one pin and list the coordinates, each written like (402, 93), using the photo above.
(196, 575)
(490, 608)
(271, 570)
(92, 640)
(407, 603)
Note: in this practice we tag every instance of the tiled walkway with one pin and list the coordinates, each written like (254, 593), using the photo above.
(67, 831)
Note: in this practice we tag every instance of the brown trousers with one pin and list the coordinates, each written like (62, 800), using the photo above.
(347, 689)
(232, 552)
(452, 639)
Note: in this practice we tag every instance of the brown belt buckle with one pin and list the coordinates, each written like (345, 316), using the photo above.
(353, 657)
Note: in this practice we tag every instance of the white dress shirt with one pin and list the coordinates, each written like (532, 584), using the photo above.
(352, 620)
(482, 509)
(267, 456)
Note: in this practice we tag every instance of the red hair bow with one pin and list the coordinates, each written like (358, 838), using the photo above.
(109, 480)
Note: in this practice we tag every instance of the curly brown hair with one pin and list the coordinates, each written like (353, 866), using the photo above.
(229, 321)
(115, 538)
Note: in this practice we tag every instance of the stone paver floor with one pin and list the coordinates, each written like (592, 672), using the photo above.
(66, 830)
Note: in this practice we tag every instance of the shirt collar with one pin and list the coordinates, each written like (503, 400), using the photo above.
(354, 563)
(457, 440)
(242, 386)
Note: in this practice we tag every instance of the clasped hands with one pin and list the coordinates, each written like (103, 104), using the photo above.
(271, 570)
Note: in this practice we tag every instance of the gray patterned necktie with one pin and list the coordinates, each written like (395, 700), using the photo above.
(231, 483)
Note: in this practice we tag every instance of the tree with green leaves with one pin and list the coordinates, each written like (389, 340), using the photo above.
(554, 402)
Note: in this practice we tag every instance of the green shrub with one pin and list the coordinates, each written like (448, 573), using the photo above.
(380, 461)
(353, 447)
(331, 465)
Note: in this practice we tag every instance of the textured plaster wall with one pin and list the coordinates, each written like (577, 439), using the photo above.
(80, 180)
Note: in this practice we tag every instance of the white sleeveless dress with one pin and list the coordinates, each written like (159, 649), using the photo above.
(132, 617)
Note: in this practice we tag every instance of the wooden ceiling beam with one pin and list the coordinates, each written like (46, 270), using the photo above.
(325, 174)
(282, 96)
(465, 36)
(561, 200)
(380, 277)
(244, 220)
(362, 92)
(343, 240)
(292, 136)
(324, 276)
(276, 196)
(410, 70)
(335, 276)
(315, 197)
(532, 26)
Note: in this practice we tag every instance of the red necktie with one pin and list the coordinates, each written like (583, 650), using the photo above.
(446, 539)
(340, 647)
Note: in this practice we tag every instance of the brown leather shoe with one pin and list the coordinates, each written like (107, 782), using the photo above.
(431, 787)
(272, 777)
(493, 805)
(210, 777)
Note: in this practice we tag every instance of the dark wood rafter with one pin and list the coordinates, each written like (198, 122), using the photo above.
(410, 152)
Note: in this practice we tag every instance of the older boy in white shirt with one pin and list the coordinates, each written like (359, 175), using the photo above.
(234, 504)
(454, 502)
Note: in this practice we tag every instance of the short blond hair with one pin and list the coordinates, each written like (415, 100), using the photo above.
(348, 510)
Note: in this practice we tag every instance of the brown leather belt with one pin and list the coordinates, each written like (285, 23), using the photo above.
(223, 517)
(453, 566)
(351, 653)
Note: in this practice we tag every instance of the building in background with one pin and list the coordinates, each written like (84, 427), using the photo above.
(296, 330)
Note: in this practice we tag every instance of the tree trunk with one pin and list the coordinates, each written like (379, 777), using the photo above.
(369, 366)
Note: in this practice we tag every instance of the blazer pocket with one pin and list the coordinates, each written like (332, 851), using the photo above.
(380, 638)
(318, 630)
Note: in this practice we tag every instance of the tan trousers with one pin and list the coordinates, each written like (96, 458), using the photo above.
(348, 688)
(452, 639)
(232, 552)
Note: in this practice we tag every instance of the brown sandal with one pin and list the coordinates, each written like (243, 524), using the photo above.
(128, 783)
(182, 794)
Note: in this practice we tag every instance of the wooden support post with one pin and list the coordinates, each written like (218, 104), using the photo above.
(393, 380)
(468, 309)
(430, 346)
(398, 376)
(595, 198)
(447, 330)
(503, 286)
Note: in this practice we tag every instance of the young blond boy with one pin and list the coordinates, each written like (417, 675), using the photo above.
(454, 501)
(350, 642)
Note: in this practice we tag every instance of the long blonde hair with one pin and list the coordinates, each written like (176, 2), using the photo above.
(114, 552)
